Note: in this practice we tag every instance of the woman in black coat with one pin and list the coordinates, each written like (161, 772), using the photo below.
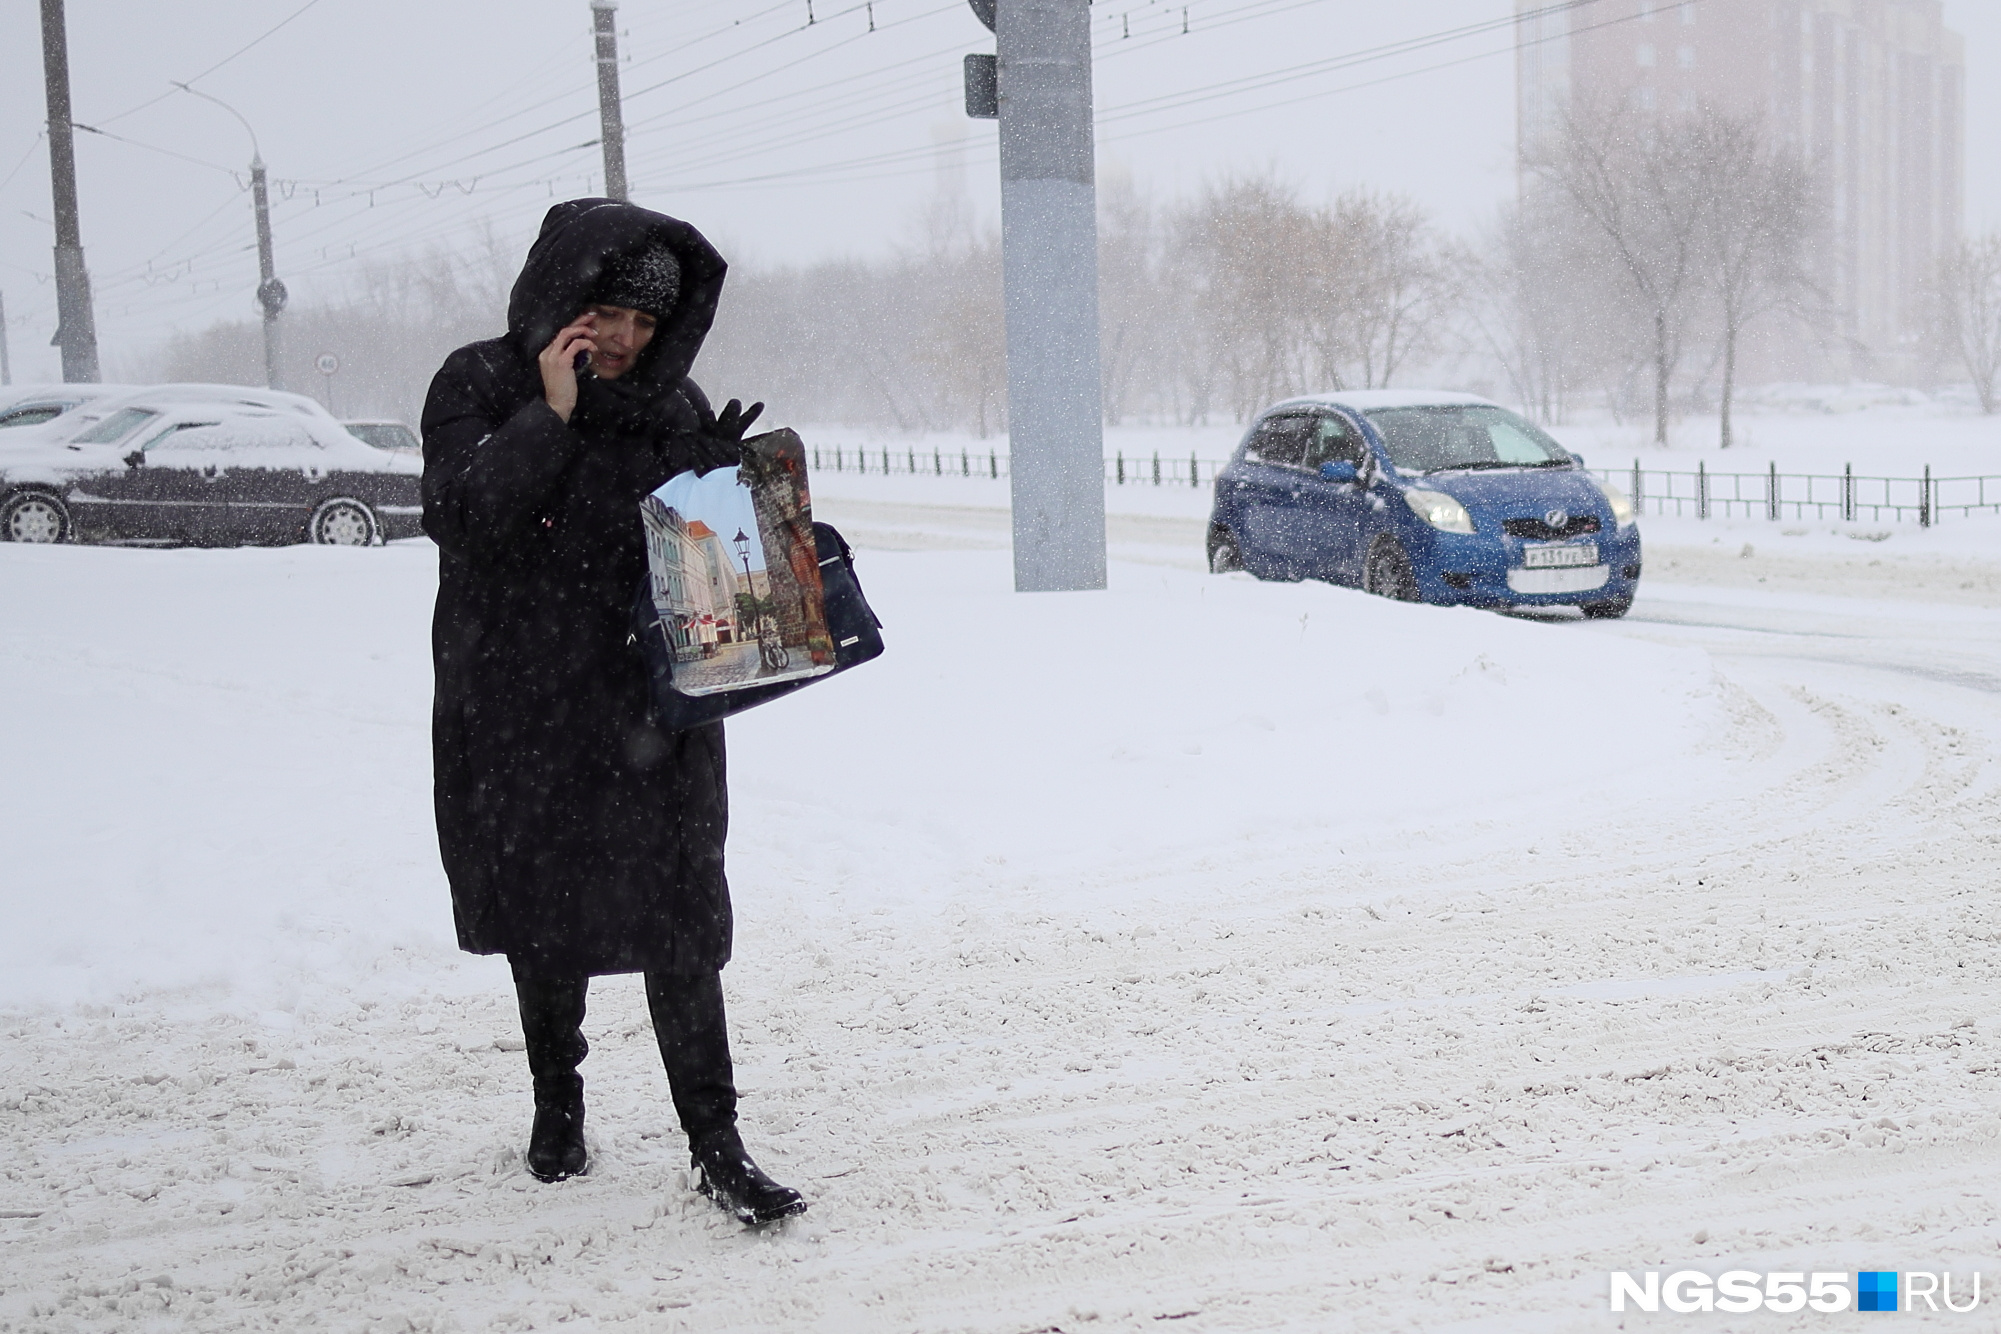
(578, 837)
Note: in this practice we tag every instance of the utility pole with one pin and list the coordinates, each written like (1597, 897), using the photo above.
(1049, 265)
(271, 293)
(76, 328)
(604, 21)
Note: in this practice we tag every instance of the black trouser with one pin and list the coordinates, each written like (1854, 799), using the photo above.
(688, 1021)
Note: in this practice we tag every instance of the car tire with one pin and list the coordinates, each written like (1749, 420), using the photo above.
(34, 516)
(344, 521)
(1225, 557)
(1387, 572)
(1607, 611)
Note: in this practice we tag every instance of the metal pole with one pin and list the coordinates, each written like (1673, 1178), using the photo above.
(6, 364)
(76, 328)
(1049, 265)
(271, 293)
(604, 17)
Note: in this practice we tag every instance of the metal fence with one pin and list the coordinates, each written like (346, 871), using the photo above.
(1120, 470)
(1771, 494)
(1776, 495)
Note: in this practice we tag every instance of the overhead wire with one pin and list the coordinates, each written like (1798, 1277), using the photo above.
(592, 109)
(9, 178)
(838, 170)
(881, 165)
(1329, 64)
(153, 148)
(1517, 46)
(247, 46)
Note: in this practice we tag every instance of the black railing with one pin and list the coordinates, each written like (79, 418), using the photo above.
(1120, 470)
(1700, 493)
(1776, 496)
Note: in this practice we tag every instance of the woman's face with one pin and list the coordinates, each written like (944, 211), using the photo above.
(622, 334)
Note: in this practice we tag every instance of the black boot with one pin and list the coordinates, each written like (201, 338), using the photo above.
(556, 1144)
(552, 1016)
(726, 1175)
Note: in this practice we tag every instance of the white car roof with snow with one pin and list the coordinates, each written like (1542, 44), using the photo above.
(14, 395)
(222, 396)
(1368, 400)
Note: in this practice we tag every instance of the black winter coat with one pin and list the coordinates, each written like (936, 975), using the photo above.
(576, 835)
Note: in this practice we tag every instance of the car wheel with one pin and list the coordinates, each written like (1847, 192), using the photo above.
(1224, 556)
(1608, 611)
(1388, 573)
(34, 516)
(343, 522)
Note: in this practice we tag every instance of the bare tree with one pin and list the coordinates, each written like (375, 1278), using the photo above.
(1756, 224)
(1246, 246)
(1382, 286)
(1639, 183)
(1134, 302)
(390, 331)
(963, 346)
(1969, 288)
(1534, 294)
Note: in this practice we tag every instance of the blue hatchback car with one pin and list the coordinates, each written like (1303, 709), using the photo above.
(1427, 497)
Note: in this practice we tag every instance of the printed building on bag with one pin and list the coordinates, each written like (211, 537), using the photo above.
(682, 580)
(792, 558)
(724, 582)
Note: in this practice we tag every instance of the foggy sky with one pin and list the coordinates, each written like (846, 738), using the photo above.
(387, 123)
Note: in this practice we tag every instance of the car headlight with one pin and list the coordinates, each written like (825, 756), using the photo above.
(1440, 511)
(1622, 508)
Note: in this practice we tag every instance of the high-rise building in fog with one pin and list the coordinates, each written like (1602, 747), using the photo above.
(1870, 90)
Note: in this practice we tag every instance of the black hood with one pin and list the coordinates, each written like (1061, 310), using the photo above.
(564, 265)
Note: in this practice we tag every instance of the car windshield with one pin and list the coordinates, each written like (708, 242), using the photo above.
(1439, 439)
(384, 435)
(31, 416)
(116, 427)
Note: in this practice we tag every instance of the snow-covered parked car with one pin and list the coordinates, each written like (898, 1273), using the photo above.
(209, 464)
(395, 436)
(1424, 496)
(35, 404)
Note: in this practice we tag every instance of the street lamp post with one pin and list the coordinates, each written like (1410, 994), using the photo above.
(271, 293)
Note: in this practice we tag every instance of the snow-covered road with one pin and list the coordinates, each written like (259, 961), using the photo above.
(1207, 955)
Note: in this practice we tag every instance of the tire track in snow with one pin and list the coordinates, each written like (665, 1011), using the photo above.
(1416, 1085)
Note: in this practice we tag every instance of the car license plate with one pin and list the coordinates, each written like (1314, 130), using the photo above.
(1559, 557)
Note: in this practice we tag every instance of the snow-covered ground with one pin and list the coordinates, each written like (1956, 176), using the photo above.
(1204, 954)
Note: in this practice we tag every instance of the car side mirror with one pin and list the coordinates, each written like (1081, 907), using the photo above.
(1577, 458)
(1338, 470)
(135, 458)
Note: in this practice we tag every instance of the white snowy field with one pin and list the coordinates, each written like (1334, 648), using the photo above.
(1203, 954)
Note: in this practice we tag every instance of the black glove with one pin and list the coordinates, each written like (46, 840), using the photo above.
(734, 421)
(718, 443)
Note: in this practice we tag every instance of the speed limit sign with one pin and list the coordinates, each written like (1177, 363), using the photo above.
(328, 363)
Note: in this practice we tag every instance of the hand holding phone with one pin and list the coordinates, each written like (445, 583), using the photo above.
(567, 354)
